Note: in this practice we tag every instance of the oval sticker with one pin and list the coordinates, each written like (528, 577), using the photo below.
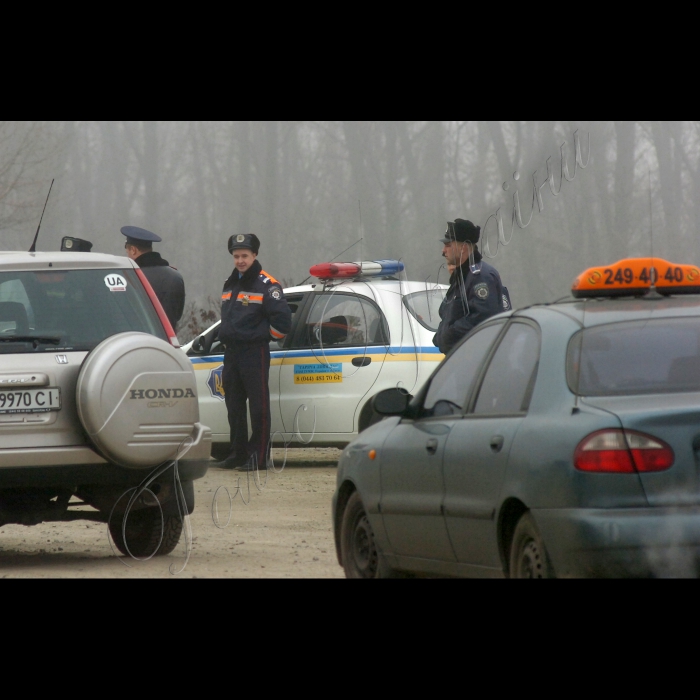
(115, 283)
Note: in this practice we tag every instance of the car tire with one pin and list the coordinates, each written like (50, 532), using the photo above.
(149, 533)
(528, 554)
(360, 555)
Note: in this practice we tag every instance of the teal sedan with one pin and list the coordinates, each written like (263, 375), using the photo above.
(561, 440)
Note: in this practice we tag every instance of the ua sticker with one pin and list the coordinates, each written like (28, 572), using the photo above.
(216, 383)
(115, 283)
(506, 303)
(482, 290)
(276, 293)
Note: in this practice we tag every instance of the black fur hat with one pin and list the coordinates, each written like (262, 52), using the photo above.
(462, 231)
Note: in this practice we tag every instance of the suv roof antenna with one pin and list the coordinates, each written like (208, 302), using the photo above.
(36, 237)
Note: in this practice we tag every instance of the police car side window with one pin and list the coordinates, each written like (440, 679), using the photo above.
(295, 302)
(344, 320)
(510, 378)
(453, 384)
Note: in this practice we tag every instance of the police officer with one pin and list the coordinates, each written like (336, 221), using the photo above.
(166, 281)
(254, 312)
(476, 292)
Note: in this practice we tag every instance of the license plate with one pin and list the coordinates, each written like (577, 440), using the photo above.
(30, 401)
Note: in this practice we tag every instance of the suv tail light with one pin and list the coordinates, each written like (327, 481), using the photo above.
(167, 326)
(622, 452)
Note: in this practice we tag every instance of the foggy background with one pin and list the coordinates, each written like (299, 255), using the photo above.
(310, 189)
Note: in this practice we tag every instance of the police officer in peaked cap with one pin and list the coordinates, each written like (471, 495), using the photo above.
(253, 313)
(167, 282)
(476, 292)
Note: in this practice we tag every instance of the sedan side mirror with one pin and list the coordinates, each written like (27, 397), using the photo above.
(391, 402)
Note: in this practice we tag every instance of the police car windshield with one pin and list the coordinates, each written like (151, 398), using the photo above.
(71, 310)
(634, 358)
(425, 307)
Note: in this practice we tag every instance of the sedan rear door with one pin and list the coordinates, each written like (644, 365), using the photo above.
(412, 482)
(477, 451)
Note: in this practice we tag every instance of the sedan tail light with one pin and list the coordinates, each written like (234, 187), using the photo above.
(622, 452)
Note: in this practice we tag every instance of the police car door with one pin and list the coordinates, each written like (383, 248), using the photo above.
(336, 360)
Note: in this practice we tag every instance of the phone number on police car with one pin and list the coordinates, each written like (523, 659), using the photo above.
(30, 401)
(318, 379)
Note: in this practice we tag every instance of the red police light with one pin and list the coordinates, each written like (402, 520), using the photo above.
(328, 271)
(374, 268)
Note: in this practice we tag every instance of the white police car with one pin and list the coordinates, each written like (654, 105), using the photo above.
(358, 332)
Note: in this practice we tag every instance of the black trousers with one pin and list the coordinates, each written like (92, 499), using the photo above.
(246, 380)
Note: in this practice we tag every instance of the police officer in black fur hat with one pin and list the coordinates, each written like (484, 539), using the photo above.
(476, 292)
(167, 282)
(253, 312)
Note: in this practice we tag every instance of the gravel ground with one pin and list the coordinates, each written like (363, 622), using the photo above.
(284, 531)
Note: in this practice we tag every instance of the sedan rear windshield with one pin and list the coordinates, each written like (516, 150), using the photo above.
(71, 310)
(642, 357)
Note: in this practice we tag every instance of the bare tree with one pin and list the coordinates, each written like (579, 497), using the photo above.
(27, 152)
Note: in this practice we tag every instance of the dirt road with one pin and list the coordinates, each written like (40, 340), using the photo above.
(283, 532)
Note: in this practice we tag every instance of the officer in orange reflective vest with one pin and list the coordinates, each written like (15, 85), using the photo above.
(254, 312)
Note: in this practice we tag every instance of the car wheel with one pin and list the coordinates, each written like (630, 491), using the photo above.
(528, 554)
(149, 533)
(361, 558)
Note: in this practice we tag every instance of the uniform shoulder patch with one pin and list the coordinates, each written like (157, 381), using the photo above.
(482, 290)
(268, 278)
(276, 293)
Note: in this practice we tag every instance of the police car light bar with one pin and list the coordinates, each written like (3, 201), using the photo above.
(376, 268)
(636, 277)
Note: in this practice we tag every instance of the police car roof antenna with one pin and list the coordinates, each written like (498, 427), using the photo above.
(362, 228)
(36, 237)
(334, 259)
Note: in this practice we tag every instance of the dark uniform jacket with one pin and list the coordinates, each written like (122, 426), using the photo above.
(254, 310)
(470, 300)
(167, 283)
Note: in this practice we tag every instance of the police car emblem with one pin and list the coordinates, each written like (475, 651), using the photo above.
(276, 294)
(482, 291)
(240, 239)
(216, 383)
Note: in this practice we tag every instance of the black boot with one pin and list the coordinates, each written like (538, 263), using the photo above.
(232, 462)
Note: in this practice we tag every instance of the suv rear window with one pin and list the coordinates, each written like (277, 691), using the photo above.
(641, 357)
(72, 310)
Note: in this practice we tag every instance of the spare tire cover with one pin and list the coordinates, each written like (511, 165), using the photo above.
(137, 399)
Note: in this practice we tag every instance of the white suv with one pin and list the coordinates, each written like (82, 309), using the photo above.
(96, 401)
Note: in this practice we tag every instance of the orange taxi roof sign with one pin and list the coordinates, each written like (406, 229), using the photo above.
(636, 277)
